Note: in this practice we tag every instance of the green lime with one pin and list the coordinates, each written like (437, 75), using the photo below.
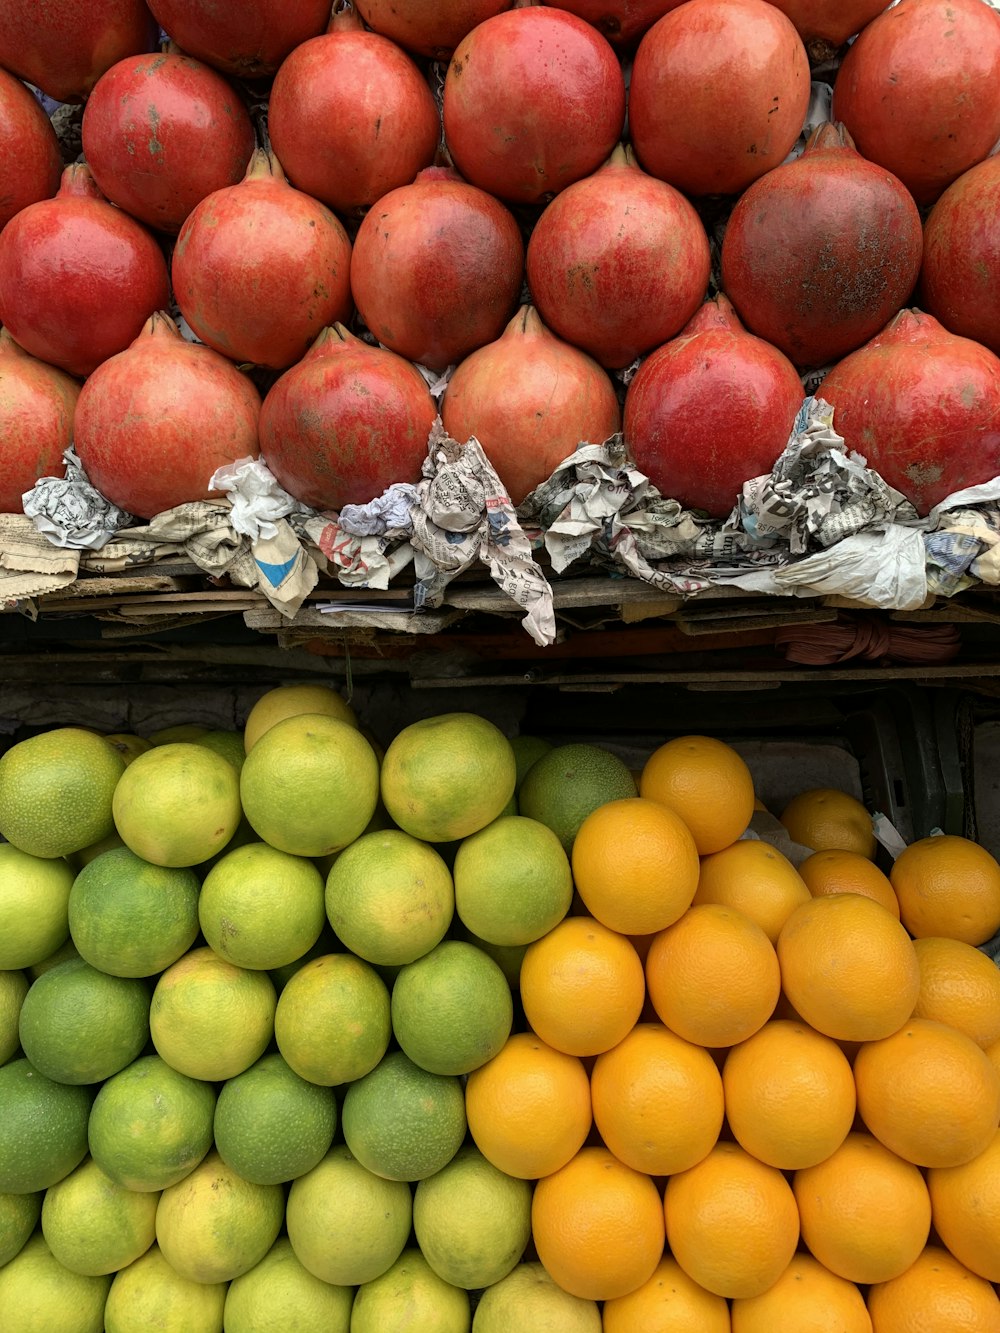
(280, 1294)
(332, 1021)
(564, 786)
(410, 1295)
(93, 1225)
(150, 1295)
(271, 1125)
(43, 1128)
(261, 908)
(513, 882)
(177, 804)
(19, 1214)
(34, 898)
(403, 1122)
(38, 1294)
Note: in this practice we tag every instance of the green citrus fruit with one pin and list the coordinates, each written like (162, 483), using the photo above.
(447, 776)
(345, 1224)
(19, 1214)
(128, 745)
(39, 1295)
(327, 943)
(185, 733)
(13, 989)
(34, 898)
(63, 954)
(261, 908)
(527, 749)
(150, 1295)
(271, 1125)
(87, 854)
(528, 1298)
(56, 791)
(389, 897)
(292, 701)
(332, 1022)
(513, 882)
(150, 1125)
(93, 1225)
(508, 957)
(131, 918)
(564, 786)
(278, 1293)
(227, 743)
(43, 1128)
(177, 804)
(410, 1295)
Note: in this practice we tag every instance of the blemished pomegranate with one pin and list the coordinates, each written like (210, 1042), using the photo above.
(618, 262)
(351, 117)
(710, 409)
(154, 422)
(428, 27)
(622, 22)
(531, 400)
(825, 25)
(922, 405)
(30, 164)
(64, 46)
(534, 99)
(719, 91)
(960, 278)
(246, 40)
(437, 268)
(37, 403)
(346, 422)
(822, 251)
(162, 131)
(260, 268)
(78, 277)
(919, 91)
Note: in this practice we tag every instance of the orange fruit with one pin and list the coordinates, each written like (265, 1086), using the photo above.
(838, 871)
(807, 1298)
(865, 1211)
(529, 1107)
(824, 817)
(581, 986)
(929, 1093)
(732, 1224)
(959, 985)
(789, 1093)
(657, 1100)
(668, 1303)
(993, 1051)
(635, 865)
(756, 878)
(965, 1202)
(949, 886)
(848, 967)
(713, 976)
(936, 1294)
(597, 1226)
(707, 783)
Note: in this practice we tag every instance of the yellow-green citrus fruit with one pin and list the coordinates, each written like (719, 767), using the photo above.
(93, 1225)
(34, 897)
(327, 943)
(19, 1214)
(13, 989)
(43, 1128)
(227, 743)
(261, 908)
(527, 751)
(178, 804)
(128, 745)
(292, 701)
(347, 1225)
(448, 776)
(513, 882)
(39, 1295)
(56, 791)
(403, 1122)
(411, 1296)
(63, 954)
(184, 733)
(150, 1126)
(527, 1298)
(564, 786)
(213, 1225)
(332, 1022)
(271, 1125)
(278, 1293)
(150, 1295)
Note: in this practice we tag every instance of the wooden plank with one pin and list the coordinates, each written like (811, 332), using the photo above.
(984, 672)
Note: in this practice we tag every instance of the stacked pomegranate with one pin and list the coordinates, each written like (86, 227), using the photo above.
(467, 186)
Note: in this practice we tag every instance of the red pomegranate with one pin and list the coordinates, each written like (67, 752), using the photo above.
(531, 400)
(618, 262)
(351, 116)
(825, 25)
(719, 91)
(420, 253)
(621, 21)
(919, 91)
(36, 421)
(960, 278)
(78, 277)
(247, 40)
(346, 422)
(160, 132)
(710, 409)
(428, 27)
(64, 46)
(260, 268)
(154, 422)
(922, 405)
(822, 251)
(534, 99)
(30, 164)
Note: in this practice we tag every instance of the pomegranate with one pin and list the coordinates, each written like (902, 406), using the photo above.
(78, 277)
(621, 21)
(618, 262)
(346, 422)
(719, 91)
(249, 41)
(922, 405)
(36, 421)
(919, 91)
(64, 46)
(420, 253)
(709, 409)
(154, 422)
(30, 164)
(822, 251)
(960, 278)
(825, 25)
(534, 99)
(260, 268)
(160, 132)
(531, 400)
(428, 27)
(351, 116)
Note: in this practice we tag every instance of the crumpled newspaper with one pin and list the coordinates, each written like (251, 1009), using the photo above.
(70, 512)
(366, 545)
(963, 546)
(257, 498)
